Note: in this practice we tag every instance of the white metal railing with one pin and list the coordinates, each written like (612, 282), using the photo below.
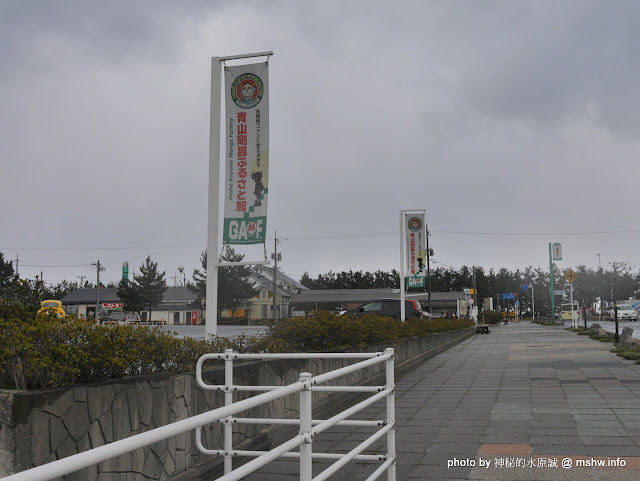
(309, 428)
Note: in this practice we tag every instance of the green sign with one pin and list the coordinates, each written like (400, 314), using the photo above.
(415, 281)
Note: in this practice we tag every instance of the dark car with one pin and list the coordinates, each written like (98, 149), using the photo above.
(388, 307)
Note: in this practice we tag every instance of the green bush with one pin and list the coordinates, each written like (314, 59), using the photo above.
(491, 317)
(323, 330)
(42, 351)
(627, 352)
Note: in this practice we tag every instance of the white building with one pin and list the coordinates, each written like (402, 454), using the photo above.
(178, 304)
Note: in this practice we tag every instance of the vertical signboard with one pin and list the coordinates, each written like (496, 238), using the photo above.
(415, 249)
(247, 154)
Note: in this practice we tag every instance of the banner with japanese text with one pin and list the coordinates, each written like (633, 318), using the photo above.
(416, 249)
(247, 154)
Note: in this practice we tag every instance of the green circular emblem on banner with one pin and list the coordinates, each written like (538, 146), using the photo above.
(247, 90)
(415, 224)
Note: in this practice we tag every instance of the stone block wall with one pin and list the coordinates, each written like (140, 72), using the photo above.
(37, 427)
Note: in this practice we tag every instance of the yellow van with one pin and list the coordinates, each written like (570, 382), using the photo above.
(52, 306)
(565, 311)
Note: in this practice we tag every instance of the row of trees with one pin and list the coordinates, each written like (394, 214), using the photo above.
(143, 293)
(605, 285)
(32, 291)
(146, 290)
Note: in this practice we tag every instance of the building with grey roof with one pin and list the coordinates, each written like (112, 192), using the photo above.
(177, 306)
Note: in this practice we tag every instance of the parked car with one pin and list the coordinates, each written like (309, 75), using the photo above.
(625, 313)
(53, 306)
(388, 307)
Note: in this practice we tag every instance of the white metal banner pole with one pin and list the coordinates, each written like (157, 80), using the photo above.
(211, 303)
(402, 265)
(574, 321)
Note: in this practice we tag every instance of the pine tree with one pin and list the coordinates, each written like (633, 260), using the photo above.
(234, 284)
(8, 277)
(146, 291)
(130, 294)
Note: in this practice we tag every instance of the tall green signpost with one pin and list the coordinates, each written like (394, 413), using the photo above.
(555, 254)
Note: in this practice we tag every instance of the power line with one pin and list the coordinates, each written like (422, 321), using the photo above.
(438, 262)
(535, 233)
(333, 236)
(68, 265)
(456, 232)
(102, 248)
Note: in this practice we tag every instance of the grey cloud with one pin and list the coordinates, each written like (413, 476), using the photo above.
(36, 35)
(558, 61)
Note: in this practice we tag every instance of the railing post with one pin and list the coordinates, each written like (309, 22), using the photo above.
(391, 414)
(306, 473)
(228, 401)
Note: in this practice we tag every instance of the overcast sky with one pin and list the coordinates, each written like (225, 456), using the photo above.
(513, 123)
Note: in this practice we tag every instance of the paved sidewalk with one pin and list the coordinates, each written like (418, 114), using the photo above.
(524, 399)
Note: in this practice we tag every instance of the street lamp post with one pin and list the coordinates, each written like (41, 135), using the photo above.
(533, 302)
(602, 297)
(184, 288)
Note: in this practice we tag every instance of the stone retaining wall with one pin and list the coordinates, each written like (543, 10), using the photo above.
(37, 427)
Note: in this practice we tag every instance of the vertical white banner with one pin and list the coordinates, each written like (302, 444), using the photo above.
(247, 154)
(415, 249)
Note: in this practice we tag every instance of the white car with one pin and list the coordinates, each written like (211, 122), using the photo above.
(625, 313)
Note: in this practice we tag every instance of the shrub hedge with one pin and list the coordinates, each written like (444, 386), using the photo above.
(491, 317)
(43, 351)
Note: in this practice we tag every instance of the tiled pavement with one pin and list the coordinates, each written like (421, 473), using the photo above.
(523, 399)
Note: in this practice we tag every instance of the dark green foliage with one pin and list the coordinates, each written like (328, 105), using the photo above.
(43, 351)
(61, 289)
(627, 352)
(130, 293)
(616, 282)
(8, 277)
(199, 284)
(491, 317)
(145, 291)
(353, 280)
(323, 330)
(234, 285)
(152, 284)
(587, 332)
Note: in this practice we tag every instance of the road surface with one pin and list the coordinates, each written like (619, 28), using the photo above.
(232, 332)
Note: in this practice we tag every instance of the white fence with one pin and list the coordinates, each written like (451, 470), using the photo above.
(309, 428)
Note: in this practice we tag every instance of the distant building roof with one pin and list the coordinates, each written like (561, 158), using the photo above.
(364, 295)
(172, 295)
(285, 285)
(88, 296)
(175, 294)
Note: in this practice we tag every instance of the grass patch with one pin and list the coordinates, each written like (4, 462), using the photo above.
(627, 352)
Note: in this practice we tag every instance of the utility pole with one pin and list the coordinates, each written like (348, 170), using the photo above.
(99, 268)
(429, 254)
(601, 298)
(475, 291)
(276, 257)
(17, 260)
(184, 288)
